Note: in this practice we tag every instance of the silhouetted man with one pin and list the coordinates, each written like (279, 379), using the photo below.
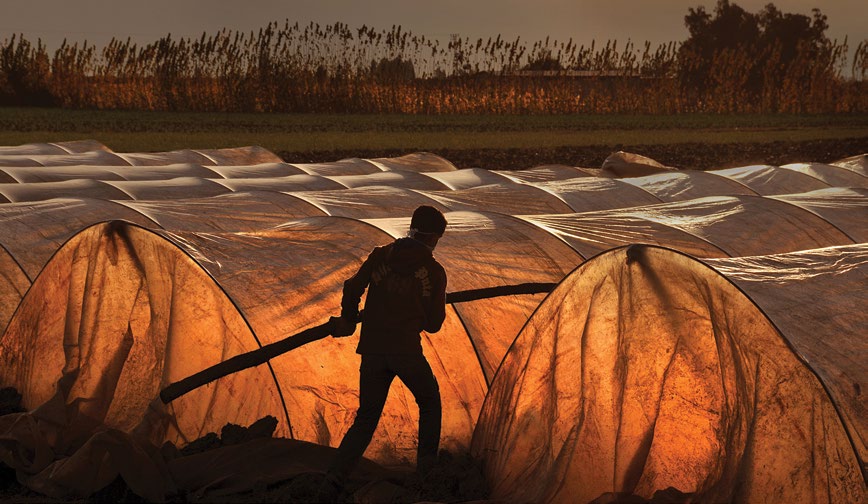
(406, 295)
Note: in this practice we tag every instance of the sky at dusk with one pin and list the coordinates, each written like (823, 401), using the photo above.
(658, 21)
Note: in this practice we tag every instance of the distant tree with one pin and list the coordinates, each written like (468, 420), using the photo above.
(730, 27)
(792, 31)
(770, 36)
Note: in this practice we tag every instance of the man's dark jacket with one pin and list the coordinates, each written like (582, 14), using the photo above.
(406, 295)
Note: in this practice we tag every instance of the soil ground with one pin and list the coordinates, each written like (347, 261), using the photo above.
(684, 155)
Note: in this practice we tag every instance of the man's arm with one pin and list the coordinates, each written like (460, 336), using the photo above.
(435, 306)
(355, 286)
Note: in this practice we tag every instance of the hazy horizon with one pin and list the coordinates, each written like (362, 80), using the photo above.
(662, 21)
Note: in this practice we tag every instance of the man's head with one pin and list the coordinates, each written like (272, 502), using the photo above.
(427, 225)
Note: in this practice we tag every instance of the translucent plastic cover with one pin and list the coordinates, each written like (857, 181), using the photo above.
(767, 180)
(52, 148)
(736, 378)
(835, 176)
(646, 369)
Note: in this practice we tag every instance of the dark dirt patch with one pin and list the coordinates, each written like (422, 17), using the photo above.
(10, 401)
(685, 155)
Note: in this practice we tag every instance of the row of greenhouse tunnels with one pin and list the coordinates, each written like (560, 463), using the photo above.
(629, 330)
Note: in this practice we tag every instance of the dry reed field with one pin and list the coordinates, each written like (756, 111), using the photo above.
(336, 68)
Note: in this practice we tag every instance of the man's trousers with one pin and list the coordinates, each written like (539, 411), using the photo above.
(375, 377)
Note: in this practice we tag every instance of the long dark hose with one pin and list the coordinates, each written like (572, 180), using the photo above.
(264, 354)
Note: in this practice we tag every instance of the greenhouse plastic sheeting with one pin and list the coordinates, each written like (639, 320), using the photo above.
(509, 198)
(257, 171)
(52, 148)
(246, 211)
(239, 156)
(846, 209)
(101, 336)
(544, 173)
(407, 180)
(858, 164)
(691, 226)
(33, 231)
(737, 225)
(236, 155)
(13, 284)
(680, 186)
(288, 183)
(176, 188)
(835, 176)
(164, 158)
(299, 270)
(164, 172)
(770, 180)
(468, 177)
(99, 158)
(215, 276)
(627, 164)
(595, 232)
(371, 202)
(646, 369)
(78, 188)
(417, 162)
(26, 174)
(828, 333)
(192, 164)
(594, 193)
(351, 166)
(233, 156)
(712, 227)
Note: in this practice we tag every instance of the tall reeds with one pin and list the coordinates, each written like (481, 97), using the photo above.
(335, 68)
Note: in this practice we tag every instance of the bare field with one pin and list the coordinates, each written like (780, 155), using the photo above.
(497, 142)
(698, 156)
